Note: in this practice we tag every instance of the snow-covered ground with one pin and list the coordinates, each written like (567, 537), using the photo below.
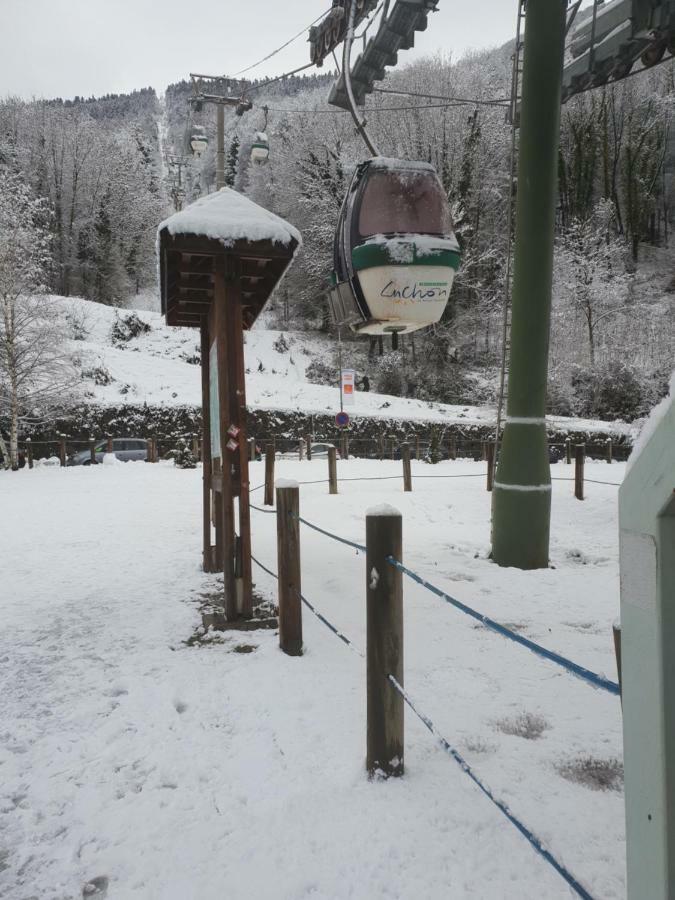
(176, 772)
(152, 369)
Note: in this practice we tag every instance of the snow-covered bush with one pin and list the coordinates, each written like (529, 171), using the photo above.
(390, 377)
(125, 328)
(183, 457)
(614, 390)
(281, 344)
(320, 372)
(98, 374)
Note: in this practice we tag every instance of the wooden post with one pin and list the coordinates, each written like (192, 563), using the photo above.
(109, 447)
(308, 446)
(490, 456)
(155, 451)
(332, 471)
(288, 561)
(452, 448)
(209, 563)
(393, 448)
(195, 447)
(384, 612)
(407, 474)
(609, 451)
(616, 633)
(251, 449)
(568, 451)
(62, 450)
(382, 447)
(579, 457)
(483, 450)
(344, 443)
(92, 450)
(269, 474)
(29, 452)
(301, 449)
(417, 447)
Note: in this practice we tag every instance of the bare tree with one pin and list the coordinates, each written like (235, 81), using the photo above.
(35, 367)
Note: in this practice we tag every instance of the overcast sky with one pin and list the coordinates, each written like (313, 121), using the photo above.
(60, 48)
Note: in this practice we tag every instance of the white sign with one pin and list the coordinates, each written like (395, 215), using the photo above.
(348, 386)
(214, 401)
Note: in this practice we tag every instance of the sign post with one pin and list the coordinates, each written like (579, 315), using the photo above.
(214, 279)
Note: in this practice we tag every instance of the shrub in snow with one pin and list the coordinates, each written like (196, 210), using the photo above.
(320, 372)
(281, 344)
(390, 377)
(183, 457)
(614, 390)
(125, 328)
(98, 374)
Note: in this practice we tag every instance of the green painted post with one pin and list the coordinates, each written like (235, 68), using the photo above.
(521, 511)
(647, 542)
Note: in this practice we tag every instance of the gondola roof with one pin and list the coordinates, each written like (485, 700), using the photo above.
(222, 225)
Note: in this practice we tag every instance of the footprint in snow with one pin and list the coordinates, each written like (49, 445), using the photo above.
(96, 887)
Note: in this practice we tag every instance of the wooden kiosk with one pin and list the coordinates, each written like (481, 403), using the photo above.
(220, 259)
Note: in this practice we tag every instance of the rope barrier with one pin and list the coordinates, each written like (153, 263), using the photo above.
(522, 828)
(596, 680)
(529, 835)
(312, 608)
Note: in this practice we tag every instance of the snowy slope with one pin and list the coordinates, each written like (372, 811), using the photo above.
(152, 369)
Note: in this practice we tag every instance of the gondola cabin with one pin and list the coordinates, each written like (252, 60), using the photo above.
(260, 149)
(395, 252)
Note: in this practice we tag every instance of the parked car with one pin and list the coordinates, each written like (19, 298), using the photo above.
(125, 449)
(320, 450)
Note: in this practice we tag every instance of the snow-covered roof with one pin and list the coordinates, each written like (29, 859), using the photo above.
(228, 216)
(390, 162)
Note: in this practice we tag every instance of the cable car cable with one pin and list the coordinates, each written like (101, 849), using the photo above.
(256, 87)
(499, 101)
(283, 46)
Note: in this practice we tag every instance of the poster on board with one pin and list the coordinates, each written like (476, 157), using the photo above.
(348, 384)
(214, 401)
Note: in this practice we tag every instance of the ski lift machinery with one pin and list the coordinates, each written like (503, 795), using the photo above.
(395, 253)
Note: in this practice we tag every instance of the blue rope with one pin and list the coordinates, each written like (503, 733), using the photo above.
(320, 617)
(522, 828)
(591, 677)
(335, 537)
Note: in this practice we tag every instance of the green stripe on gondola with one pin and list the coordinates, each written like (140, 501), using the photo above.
(368, 256)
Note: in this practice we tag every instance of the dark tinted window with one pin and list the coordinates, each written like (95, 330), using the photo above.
(404, 201)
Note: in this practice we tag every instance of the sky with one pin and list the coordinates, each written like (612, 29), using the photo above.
(64, 48)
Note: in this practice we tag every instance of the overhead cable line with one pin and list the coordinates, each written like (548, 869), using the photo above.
(499, 101)
(283, 46)
(377, 109)
(256, 87)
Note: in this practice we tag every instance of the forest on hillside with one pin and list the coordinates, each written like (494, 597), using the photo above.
(101, 165)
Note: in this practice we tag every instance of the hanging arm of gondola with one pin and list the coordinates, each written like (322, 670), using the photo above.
(346, 66)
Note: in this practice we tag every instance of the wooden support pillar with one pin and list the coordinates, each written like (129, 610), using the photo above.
(609, 451)
(208, 551)
(579, 458)
(29, 452)
(407, 473)
(62, 450)
(195, 447)
(288, 557)
(490, 456)
(332, 471)
(301, 449)
(109, 444)
(308, 447)
(384, 612)
(417, 447)
(452, 448)
(92, 450)
(568, 451)
(269, 475)
(344, 446)
(224, 500)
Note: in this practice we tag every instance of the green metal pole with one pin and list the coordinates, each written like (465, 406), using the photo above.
(522, 491)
